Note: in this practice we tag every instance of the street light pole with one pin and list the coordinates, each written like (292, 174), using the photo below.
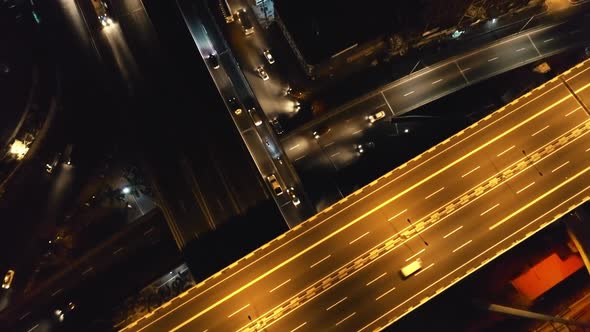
(420, 235)
(535, 166)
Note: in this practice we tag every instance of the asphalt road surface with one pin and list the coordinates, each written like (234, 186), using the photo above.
(349, 125)
(260, 140)
(456, 206)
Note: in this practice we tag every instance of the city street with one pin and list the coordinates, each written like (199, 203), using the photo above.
(348, 125)
(456, 206)
(260, 140)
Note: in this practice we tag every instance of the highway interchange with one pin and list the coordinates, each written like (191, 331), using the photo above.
(456, 206)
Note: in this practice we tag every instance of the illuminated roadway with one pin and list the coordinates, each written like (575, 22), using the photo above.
(349, 125)
(471, 197)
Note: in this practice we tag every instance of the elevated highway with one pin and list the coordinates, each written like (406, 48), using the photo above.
(457, 206)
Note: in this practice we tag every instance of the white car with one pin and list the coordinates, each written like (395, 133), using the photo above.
(293, 196)
(8, 279)
(268, 57)
(376, 116)
(255, 117)
(262, 73)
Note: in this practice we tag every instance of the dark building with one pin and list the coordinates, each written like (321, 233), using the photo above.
(322, 29)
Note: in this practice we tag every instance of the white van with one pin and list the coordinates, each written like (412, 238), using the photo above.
(411, 268)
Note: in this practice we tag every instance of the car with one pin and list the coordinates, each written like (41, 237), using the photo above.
(233, 102)
(268, 57)
(60, 314)
(213, 60)
(262, 73)
(247, 26)
(274, 184)
(277, 126)
(255, 117)
(234, 105)
(101, 8)
(294, 199)
(8, 277)
(52, 164)
(361, 148)
(376, 116)
(318, 132)
(68, 154)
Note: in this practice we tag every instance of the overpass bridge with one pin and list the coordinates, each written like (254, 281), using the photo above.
(457, 206)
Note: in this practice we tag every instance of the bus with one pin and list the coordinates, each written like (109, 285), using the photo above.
(245, 21)
(411, 268)
(226, 11)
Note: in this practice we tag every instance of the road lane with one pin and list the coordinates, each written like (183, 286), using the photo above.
(493, 59)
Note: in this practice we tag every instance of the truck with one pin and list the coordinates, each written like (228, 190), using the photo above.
(102, 12)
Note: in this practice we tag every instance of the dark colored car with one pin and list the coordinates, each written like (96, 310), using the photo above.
(276, 125)
(213, 60)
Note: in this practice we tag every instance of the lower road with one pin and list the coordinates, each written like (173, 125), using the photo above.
(456, 207)
(349, 125)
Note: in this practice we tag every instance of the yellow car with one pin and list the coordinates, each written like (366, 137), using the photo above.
(8, 279)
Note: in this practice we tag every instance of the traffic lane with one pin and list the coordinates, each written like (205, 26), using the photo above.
(248, 273)
(498, 58)
(331, 309)
(503, 122)
(280, 280)
(543, 115)
(438, 269)
(501, 148)
(424, 88)
(482, 161)
(579, 80)
(504, 192)
(513, 118)
(485, 161)
(249, 54)
(335, 124)
(305, 273)
(563, 36)
(416, 197)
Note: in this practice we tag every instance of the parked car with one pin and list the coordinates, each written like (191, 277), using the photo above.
(275, 185)
(213, 60)
(262, 73)
(376, 116)
(8, 277)
(268, 57)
